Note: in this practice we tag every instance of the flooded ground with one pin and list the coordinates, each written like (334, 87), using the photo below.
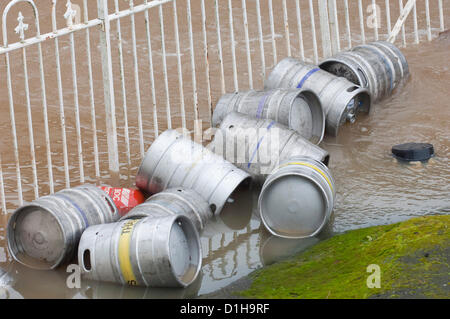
(372, 187)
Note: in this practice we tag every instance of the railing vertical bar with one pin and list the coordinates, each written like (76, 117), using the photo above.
(300, 30)
(400, 4)
(136, 81)
(441, 16)
(123, 86)
(13, 129)
(334, 23)
(388, 16)
(247, 45)
(416, 29)
(180, 70)
(233, 46)
(313, 30)
(152, 73)
(62, 116)
(286, 29)
(164, 60)
(272, 32)
(375, 18)
(347, 24)
(108, 87)
(219, 47)
(91, 93)
(2, 188)
(30, 124)
(261, 40)
(361, 21)
(194, 77)
(46, 127)
(77, 107)
(427, 12)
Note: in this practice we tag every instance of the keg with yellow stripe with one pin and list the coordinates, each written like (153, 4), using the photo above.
(152, 252)
(297, 198)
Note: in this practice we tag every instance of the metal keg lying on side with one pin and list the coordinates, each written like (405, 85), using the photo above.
(175, 201)
(300, 110)
(297, 199)
(174, 160)
(258, 145)
(46, 232)
(378, 66)
(151, 251)
(341, 99)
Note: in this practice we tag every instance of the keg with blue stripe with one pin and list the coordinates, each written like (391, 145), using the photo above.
(298, 109)
(341, 99)
(45, 233)
(378, 66)
(258, 145)
(151, 252)
(297, 198)
(175, 201)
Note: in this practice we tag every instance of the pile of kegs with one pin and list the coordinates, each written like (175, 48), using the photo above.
(150, 236)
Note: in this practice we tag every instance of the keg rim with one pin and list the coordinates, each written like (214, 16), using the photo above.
(358, 93)
(191, 273)
(13, 246)
(323, 193)
(317, 114)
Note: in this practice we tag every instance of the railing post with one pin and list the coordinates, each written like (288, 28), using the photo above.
(108, 87)
(325, 28)
(334, 27)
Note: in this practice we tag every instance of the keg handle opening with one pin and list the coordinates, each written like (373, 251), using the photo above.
(87, 260)
(112, 206)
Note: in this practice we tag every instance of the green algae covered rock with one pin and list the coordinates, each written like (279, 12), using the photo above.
(412, 258)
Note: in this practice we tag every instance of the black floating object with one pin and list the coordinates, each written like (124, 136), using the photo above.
(413, 151)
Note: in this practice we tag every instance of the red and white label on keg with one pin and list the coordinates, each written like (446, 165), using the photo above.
(124, 198)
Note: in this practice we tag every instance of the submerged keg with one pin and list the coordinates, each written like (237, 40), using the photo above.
(174, 160)
(300, 110)
(378, 66)
(175, 201)
(258, 145)
(151, 251)
(341, 99)
(46, 232)
(297, 199)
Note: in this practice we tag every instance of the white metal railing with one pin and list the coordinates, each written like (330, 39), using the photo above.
(147, 59)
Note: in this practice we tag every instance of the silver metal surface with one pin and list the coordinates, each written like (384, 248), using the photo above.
(174, 160)
(297, 199)
(378, 66)
(152, 252)
(175, 201)
(259, 145)
(341, 99)
(300, 110)
(45, 233)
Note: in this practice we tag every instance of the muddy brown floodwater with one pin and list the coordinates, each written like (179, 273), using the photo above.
(372, 187)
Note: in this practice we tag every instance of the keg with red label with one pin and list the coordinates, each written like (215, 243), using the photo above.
(124, 198)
